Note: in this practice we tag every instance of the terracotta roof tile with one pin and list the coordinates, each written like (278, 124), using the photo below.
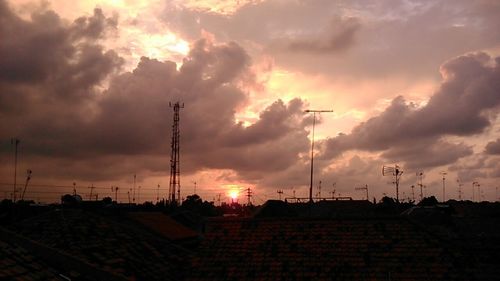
(322, 249)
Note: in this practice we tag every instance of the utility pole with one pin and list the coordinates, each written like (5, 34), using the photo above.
(139, 194)
(91, 189)
(175, 174)
(218, 199)
(15, 142)
(249, 197)
(312, 149)
(74, 188)
(413, 193)
(115, 190)
(444, 179)
(194, 187)
(128, 194)
(133, 195)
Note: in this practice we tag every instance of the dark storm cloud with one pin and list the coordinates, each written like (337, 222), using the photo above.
(338, 37)
(470, 88)
(51, 73)
(493, 147)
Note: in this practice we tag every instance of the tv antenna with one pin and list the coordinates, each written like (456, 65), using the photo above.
(475, 184)
(413, 192)
(279, 191)
(363, 188)
(115, 190)
(133, 195)
(312, 148)
(420, 177)
(249, 197)
(444, 179)
(15, 142)
(459, 189)
(158, 193)
(396, 172)
(91, 189)
(175, 173)
(28, 178)
(319, 190)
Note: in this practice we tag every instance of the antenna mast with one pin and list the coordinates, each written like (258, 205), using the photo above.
(396, 172)
(28, 177)
(175, 173)
(249, 196)
(364, 188)
(444, 179)
(420, 176)
(312, 149)
(15, 142)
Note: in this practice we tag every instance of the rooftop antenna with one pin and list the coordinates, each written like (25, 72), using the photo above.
(420, 177)
(279, 193)
(334, 190)
(474, 184)
(74, 188)
(15, 142)
(396, 172)
(249, 197)
(319, 190)
(128, 194)
(115, 190)
(28, 177)
(158, 193)
(459, 189)
(413, 193)
(91, 189)
(364, 188)
(133, 195)
(175, 174)
(444, 179)
(312, 148)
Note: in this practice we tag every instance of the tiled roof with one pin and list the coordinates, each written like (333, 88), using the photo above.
(18, 263)
(323, 249)
(110, 242)
(163, 225)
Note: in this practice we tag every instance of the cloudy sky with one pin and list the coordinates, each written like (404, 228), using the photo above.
(86, 86)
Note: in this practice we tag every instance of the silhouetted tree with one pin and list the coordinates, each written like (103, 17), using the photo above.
(107, 200)
(428, 201)
(68, 199)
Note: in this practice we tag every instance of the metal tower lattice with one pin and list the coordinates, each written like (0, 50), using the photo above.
(175, 173)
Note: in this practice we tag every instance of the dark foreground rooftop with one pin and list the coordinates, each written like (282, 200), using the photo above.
(283, 242)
